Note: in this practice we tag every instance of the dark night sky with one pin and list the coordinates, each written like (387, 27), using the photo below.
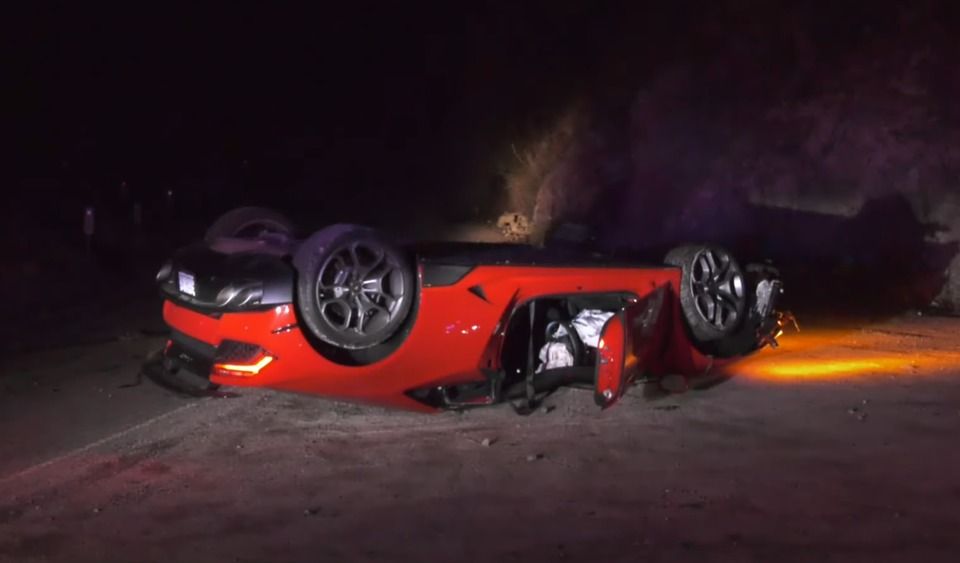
(401, 101)
(156, 95)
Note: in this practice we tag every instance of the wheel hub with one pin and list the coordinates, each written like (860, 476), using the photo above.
(717, 284)
(357, 292)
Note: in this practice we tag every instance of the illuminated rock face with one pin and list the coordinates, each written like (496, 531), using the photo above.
(720, 149)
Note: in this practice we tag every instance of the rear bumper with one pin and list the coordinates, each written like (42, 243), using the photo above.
(196, 337)
(296, 365)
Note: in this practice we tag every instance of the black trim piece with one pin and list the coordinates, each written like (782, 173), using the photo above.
(193, 346)
(171, 375)
(439, 275)
(257, 280)
(189, 354)
(478, 291)
(211, 309)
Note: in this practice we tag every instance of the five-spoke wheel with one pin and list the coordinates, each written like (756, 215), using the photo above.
(354, 289)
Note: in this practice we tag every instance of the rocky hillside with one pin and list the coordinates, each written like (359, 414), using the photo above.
(833, 135)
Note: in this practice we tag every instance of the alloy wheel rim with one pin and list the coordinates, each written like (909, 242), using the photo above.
(718, 288)
(360, 290)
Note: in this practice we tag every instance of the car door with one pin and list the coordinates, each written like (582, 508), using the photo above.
(628, 343)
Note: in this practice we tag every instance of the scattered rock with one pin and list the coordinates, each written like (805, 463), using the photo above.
(486, 442)
(534, 457)
(97, 510)
(547, 409)
(311, 511)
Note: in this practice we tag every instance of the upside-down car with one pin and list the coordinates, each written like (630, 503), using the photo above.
(345, 313)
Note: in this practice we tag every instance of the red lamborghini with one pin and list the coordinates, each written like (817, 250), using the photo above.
(347, 314)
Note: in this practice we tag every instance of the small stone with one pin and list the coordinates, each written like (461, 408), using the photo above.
(853, 410)
(239, 446)
(547, 409)
(486, 442)
(864, 402)
(97, 510)
(534, 457)
(311, 511)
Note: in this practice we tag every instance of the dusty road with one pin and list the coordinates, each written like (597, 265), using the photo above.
(840, 446)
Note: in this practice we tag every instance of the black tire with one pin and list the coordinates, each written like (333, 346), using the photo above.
(249, 222)
(712, 291)
(348, 277)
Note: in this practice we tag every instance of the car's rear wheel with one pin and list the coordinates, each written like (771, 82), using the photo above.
(249, 222)
(712, 291)
(354, 289)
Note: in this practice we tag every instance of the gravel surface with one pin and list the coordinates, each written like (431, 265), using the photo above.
(855, 464)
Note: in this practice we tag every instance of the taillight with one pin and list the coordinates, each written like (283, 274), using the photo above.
(240, 359)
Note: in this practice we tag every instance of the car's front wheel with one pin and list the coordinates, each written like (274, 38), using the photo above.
(354, 289)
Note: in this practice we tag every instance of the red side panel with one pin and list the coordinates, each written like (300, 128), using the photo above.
(191, 323)
(457, 332)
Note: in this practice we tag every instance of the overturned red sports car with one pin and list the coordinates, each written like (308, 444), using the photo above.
(347, 314)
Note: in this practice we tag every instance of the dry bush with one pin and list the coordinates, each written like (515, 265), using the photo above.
(531, 169)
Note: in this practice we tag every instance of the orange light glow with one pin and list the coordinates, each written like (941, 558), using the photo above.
(857, 353)
(814, 369)
(245, 370)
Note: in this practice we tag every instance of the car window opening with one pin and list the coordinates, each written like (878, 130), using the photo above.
(563, 336)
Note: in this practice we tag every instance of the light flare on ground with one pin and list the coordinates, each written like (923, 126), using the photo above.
(834, 355)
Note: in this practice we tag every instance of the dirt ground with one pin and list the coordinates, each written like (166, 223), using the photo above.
(839, 446)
